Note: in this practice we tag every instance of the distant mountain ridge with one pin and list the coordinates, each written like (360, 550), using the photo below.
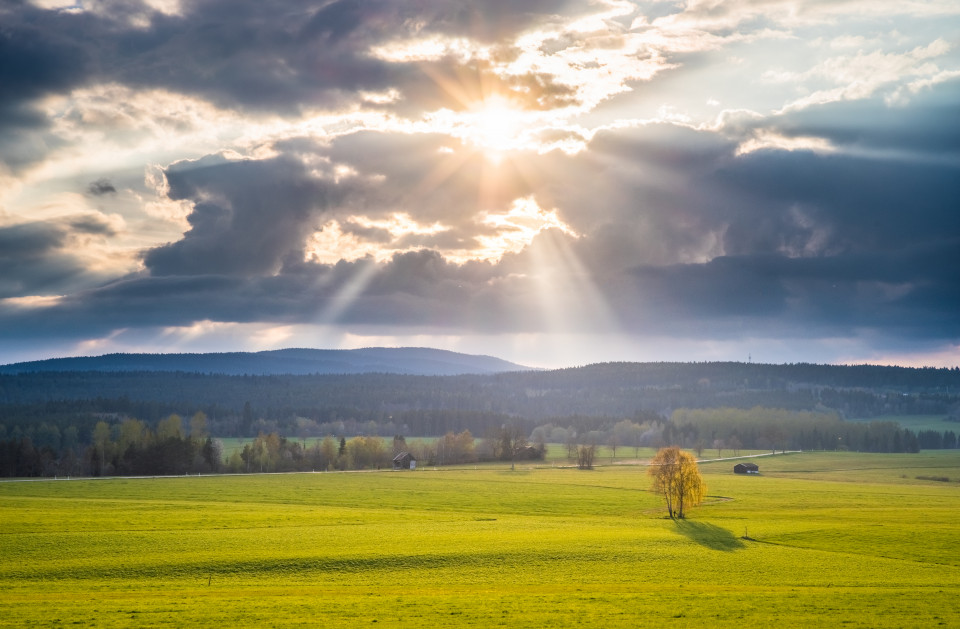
(295, 361)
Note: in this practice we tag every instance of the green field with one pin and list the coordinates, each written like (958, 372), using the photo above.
(917, 422)
(838, 539)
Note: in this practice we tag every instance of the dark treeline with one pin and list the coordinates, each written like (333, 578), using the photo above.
(733, 430)
(128, 447)
(610, 389)
(779, 429)
(49, 421)
(131, 448)
(121, 445)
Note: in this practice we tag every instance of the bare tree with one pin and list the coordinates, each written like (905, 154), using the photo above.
(571, 443)
(585, 456)
(613, 442)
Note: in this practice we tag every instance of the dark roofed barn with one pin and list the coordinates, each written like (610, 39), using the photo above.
(404, 461)
(746, 468)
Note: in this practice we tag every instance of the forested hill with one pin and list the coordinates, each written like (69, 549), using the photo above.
(405, 360)
(132, 422)
(610, 389)
(755, 376)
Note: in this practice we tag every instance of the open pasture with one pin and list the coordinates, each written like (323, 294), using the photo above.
(916, 423)
(839, 539)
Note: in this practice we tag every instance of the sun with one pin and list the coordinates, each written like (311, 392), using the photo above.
(486, 115)
(495, 125)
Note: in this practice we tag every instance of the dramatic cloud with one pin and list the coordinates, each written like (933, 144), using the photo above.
(40, 259)
(556, 182)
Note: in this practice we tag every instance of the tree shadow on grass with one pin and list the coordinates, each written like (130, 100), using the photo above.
(709, 535)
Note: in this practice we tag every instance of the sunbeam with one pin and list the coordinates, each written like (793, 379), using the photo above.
(567, 296)
(348, 292)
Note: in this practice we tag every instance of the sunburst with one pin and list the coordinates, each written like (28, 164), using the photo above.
(496, 125)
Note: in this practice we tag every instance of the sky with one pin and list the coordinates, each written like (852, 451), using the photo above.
(556, 183)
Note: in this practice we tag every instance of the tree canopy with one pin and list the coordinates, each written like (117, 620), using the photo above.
(677, 478)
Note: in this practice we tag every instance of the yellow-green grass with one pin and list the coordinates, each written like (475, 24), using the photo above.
(838, 539)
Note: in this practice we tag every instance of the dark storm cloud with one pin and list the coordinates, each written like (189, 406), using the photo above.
(31, 239)
(39, 53)
(912, 292)
(688, 189)
(416, 289)
(893, 185)
(247, 216)
(925, 127)
(248, 55)
(679, 234)
(279, 56)
(411, 290)
(683, 236)
(484, 20)
(249, 223)
(145, 300)
(643, 196)
(22, 136)
(250, 220)
(36, 258)
(829, 243)
(852, 204)
(823, 243)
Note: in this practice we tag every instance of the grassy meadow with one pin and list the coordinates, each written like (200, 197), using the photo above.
(845, 539)
(917, 422)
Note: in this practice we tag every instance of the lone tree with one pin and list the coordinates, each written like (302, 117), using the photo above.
(585, 456)
(677, 479)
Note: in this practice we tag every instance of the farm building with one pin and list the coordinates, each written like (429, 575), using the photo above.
(528, 453)
(746, 468)
(404, 461)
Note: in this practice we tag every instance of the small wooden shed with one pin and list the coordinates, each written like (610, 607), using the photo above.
(527, 453)
(404, 461)
(746, 468)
